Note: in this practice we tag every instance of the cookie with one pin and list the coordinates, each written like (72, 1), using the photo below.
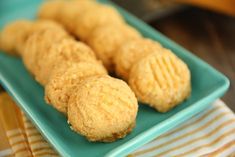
(131, 52)
(11, 39)
(105, 41)
(102, 109)
(161, 80)
(64, 50)
(94, 17)
(64, 79)
(74, 9)
(51, 9)
(38, 45)
(45, 24)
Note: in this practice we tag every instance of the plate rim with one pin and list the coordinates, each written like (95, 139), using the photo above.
(150, 133)
(138, 140)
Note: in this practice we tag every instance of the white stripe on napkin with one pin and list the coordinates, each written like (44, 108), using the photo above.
(205, 133)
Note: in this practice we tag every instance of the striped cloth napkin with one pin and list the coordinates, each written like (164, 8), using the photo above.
(211, 133)
(23, 139)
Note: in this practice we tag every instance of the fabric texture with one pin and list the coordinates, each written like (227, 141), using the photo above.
(210, 133)
(24, 140)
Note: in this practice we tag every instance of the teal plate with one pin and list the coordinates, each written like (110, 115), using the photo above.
(207, 85)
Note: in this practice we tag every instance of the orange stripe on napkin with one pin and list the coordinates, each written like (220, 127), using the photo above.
(209, 132)
(4, 144)
(217, 140)
(24, 138)
(193, 122)
(38, 145)
(186, 134)
(12, 124)
(222, 149)
(201, 138)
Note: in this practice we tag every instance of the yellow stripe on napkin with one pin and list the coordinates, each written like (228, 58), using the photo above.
(211, 133)
(38, 145)
(13, 125)
(24, 138)
(5, 148)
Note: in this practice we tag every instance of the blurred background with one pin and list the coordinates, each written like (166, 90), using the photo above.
(204, 27)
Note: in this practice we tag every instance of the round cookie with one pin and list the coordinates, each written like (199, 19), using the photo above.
(65, 78)
(39, 43)
(130, 52)
(102, 109)
(45, 24)
(65, 50)
(105, 41)
(73, 9)
(161, 80)
(94, 17)
(51, 9)
(14, 35)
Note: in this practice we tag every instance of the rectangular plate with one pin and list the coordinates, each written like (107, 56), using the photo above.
(207, 85)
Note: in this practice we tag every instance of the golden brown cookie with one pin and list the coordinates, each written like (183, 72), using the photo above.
(45, 24)
(38, 45)
(14, 35)
(74, 9)
(102, 109)
(161, 80)
(94, 17)
(130, 52)
(65, 78)
(51, 9)
(64, 50)
(105, 41)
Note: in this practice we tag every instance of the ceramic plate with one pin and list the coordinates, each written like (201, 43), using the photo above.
(207, 85)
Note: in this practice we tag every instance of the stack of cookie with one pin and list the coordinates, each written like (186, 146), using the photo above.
(157, 76)
(75, 82)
